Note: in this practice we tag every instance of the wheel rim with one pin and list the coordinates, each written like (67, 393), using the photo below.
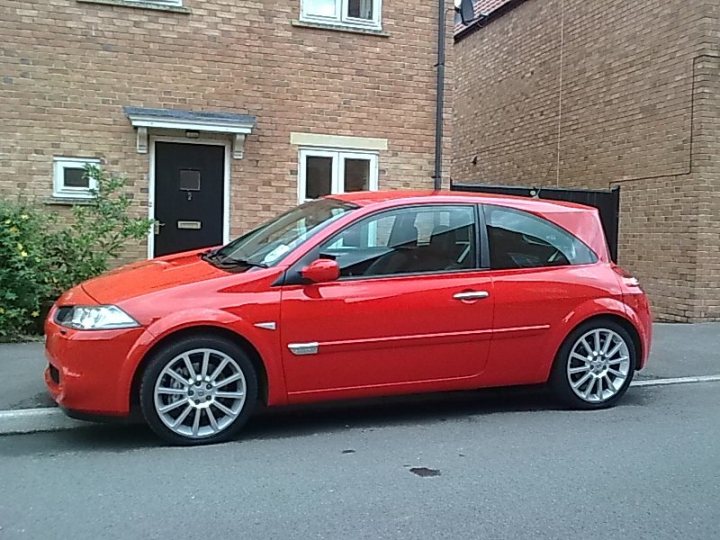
(199, 393)
(599, 365)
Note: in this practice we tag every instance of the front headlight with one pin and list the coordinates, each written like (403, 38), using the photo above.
(99, 318)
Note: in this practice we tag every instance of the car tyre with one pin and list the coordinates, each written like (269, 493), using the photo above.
(600, 353)
(198, 390)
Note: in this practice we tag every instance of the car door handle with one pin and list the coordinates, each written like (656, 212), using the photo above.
(471, 295)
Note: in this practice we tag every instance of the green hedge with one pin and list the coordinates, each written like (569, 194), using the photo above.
(40, 256)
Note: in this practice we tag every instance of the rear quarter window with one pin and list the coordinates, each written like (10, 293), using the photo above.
(518, 239)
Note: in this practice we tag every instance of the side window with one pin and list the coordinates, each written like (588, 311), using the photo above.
(518, 239)
(406, 241)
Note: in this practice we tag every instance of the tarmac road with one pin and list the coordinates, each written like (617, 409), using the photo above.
(476, 465)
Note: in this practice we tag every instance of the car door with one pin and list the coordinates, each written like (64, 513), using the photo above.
(412, 308)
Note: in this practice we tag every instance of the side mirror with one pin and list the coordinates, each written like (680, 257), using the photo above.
(321, 271)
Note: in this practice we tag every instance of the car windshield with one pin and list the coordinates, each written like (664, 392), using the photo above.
(271, 242)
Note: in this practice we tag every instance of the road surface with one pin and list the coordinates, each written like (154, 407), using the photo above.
(475, 465)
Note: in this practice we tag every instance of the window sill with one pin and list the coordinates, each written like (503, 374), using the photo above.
(68, 201)
(339, 28)
(139, 5)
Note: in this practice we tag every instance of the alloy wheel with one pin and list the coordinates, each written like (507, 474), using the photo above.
(200, 393)
(599, 365)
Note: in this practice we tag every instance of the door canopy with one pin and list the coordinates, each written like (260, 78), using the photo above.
(236, 125)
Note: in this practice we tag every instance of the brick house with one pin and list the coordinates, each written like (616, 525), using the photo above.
(220, 113)
(573, 93)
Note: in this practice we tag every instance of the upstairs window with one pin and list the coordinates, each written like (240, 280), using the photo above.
(358, 13)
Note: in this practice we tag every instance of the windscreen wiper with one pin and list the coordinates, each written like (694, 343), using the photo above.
(214, 258)
(209, 255)
(232, 261)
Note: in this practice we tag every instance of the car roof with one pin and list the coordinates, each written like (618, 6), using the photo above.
(370, 198)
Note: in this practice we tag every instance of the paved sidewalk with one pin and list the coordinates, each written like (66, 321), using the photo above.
(22, 385)
(679, 350)
(684, 350)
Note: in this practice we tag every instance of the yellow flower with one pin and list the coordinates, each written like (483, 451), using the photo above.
(2, 310)
(8, 222)
(20, 247)
(13, 230)
(35, 313)
(23, 254)
(24, 217)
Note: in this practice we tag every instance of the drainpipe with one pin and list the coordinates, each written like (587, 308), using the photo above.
(439, 96)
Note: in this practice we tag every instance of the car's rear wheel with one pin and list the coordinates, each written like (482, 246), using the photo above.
(200, 390)
(594, 366)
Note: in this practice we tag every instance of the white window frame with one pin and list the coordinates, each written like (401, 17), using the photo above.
(340, 18)
(337, 184)
(60, 190)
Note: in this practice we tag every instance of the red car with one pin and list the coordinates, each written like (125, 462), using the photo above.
(349, 296)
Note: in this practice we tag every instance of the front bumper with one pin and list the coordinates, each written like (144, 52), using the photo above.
(85, 368)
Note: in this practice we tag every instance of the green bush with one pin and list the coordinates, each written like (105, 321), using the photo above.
(40, 256)
(25, 272)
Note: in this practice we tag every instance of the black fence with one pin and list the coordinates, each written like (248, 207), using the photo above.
(606, 201)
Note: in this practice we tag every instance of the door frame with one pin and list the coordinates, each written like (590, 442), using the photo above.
(226, 181)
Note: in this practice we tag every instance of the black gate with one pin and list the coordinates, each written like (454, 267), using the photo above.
(606, 201)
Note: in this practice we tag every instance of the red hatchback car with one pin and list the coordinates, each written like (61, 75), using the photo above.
(349, 296)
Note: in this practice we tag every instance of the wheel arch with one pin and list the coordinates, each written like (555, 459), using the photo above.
(624, 322)
(202, 330)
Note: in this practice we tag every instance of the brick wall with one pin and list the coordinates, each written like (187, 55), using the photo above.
(706, 168)
(69, 67)
(635, 111)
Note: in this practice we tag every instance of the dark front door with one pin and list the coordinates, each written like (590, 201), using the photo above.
(189, 182)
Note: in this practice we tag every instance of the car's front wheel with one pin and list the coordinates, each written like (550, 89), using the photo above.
(199, 390)
(594, 366)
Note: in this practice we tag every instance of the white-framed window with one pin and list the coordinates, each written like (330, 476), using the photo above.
(358, 13)
(70, 180)
(325, 172)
